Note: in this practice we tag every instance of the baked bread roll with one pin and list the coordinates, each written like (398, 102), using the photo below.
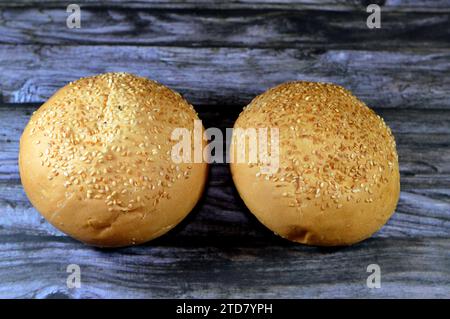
(338, 179)
(95, 160)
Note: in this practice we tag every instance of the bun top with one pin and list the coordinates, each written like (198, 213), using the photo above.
(338, 164)
(101, 145)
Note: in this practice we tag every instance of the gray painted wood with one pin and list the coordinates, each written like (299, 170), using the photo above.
(324, 5)
(231, 28)
(233, 76)
(221, 250)
(411, 268)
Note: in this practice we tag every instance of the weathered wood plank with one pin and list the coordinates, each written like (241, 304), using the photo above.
(410, 268)
(233, 76)
(334, 5)
(229, 28)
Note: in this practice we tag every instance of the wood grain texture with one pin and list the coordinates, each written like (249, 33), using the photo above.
(244, 270)
(227, 28)
(221, 250)
(327, 5)
(233, 76)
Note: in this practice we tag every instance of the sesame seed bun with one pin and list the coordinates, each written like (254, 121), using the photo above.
(95, 160)
(338, 180)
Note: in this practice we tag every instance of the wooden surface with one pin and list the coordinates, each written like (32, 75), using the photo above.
(220, 54)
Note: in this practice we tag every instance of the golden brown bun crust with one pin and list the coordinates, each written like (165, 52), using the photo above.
(95, 160)
(338, 181)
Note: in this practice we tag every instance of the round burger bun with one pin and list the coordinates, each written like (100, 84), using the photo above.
(95, 160)
(338, 180)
